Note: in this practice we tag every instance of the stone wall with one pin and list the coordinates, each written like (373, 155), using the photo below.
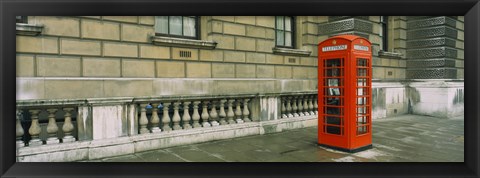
(86, 56)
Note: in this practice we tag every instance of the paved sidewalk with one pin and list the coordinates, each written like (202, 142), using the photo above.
(408, 138)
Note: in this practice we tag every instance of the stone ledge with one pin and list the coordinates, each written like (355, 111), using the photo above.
(28, 29)
(32, 150)
(437, 83)
(292, 52)
(391, 55)
(180, 42)
(392, 84)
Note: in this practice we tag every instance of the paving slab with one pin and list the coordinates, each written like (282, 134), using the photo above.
(407, 138)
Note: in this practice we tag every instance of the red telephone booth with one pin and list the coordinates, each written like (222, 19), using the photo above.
(344, 93)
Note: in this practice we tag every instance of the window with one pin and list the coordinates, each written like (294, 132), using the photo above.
(21, 19)
(285, 31)
(177, 26)
(384, 23)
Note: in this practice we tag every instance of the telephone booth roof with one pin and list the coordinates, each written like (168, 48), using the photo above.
(346, 37)
(344, 43)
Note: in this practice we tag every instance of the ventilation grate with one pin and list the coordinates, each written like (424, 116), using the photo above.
(185, 54)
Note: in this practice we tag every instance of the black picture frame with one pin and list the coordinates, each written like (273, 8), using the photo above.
(9, 9)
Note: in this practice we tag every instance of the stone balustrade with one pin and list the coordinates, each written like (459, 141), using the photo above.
(184, 113)
(105, 127)
(48, 125)
(299, 105)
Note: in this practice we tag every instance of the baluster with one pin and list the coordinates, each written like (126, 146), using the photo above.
(19, 130)
(283, 110)
(143, 122)
(238, 111)
(186, 116)
(294, 107)
(213, 115)
(310, 104)
(155, 121)
(315, 104)
(176, 117)
(230, 113)
(35, 129)
(289, 107)
(196, 116)
(166, 117)
(305, 106)
(300, 106)
(68, 126)
(246, 112)
(52, 127)
(222, 113)
(205, 115)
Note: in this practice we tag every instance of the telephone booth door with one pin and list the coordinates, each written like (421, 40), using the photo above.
(344, 84)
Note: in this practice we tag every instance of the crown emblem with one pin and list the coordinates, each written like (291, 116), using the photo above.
(334, 42)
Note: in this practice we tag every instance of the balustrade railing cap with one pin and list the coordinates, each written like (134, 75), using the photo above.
(50, 102)
(299, 93)
(191, 97)
(116, 100)
(107, 101)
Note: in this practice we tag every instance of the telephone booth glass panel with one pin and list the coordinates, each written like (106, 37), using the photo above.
(333, 107)
(363, 94)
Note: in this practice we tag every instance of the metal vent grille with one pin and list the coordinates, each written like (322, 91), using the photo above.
(186, 54)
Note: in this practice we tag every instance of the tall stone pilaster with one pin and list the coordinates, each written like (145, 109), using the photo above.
(434, 47)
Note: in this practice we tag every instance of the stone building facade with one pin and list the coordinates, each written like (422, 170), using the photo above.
(107, 81)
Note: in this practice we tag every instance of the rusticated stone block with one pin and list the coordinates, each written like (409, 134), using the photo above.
(265, 71)
(25, 66)
(245, 71)
(54, 66)
(80, 47)
(100, 30)
(58, 26)
(199, 70)
(170, 69)
(283, 72)
(101, 67)
(120, 49)
(154, 52)
(30, 44)
(223, 70)
(255, 58)
(234, 29)
(246, 44)
(234, 56)
(138, 68)
(137, 33)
